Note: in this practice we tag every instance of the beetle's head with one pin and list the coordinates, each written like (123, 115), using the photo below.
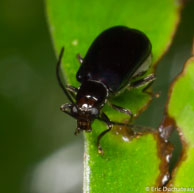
(85, 111)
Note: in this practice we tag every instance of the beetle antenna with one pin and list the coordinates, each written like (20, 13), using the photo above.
(59, 78)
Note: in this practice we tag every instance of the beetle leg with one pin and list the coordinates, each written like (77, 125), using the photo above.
(122, 110)
(66, 108)
(157, 95)
(149, 80)
(80, 58)
(73, 91)
(110, 125)
(134, 130)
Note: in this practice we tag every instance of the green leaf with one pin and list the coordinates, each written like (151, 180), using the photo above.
(75, 24)
(127, 165)
(181, 109)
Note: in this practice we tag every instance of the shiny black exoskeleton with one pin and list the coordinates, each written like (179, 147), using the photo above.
(118, 58)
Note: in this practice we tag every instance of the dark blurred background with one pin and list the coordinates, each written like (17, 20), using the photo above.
(38, 151)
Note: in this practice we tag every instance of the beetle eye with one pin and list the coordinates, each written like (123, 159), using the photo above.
(74, 109)
(94, 111)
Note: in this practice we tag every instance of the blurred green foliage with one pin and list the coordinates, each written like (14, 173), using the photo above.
(32, 127)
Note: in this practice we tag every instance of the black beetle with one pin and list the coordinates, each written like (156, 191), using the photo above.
(117, 59)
